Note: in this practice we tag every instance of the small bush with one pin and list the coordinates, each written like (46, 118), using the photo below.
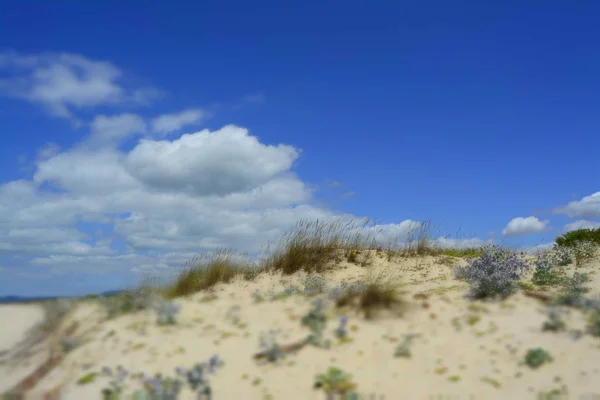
(335, 381)
(563, 255)
(584, 251)
(495, 273)
(537, 357)
(547, 271)
(555, 323)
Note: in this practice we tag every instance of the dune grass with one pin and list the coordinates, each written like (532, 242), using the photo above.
(202, 273)
(380, 290)
(314, 248)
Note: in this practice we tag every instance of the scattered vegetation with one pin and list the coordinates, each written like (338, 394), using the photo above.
(312, 248)
(163, 388)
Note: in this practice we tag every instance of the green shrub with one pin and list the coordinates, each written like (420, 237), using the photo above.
(537, 357)
(571, 238)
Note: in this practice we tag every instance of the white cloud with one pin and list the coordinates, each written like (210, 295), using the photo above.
(540, 248)
(523, 226)
(111, 130)
(169, 123)
(587, 207)
(63, 82)
(222, 162)
(581, 224)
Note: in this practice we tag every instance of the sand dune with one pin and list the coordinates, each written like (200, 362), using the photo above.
(460, 348)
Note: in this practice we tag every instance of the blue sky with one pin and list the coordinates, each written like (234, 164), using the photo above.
(135, 136)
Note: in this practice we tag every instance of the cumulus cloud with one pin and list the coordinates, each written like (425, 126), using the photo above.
(587, 207)
(63, 82)
(169, 123)
(523, 226)
(226, 161)
(581, 224)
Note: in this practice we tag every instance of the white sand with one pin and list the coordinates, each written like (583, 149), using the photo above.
(17, 320)
(465, 348)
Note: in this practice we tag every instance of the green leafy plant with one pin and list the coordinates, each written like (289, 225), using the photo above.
(335, 381)
(537, 357)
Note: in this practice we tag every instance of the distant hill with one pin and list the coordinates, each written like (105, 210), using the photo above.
(28, 299)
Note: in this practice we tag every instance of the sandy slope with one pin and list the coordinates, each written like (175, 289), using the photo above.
(464, 348)
(17, 319)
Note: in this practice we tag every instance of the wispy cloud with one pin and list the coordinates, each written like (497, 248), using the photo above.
(581, 224)
(587, 207)
(63, 82)
(169, 123)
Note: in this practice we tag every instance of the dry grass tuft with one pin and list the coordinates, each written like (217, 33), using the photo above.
(380, 290)
(202, 273)
(313, 246)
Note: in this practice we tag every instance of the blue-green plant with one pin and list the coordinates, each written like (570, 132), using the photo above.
(555, 322)
(268, 343)
(314, 285)
(116, 384)
(316, 321)
(162, 388)
(165, 311)
(495, 273)
(341, 332)
(403, 348)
